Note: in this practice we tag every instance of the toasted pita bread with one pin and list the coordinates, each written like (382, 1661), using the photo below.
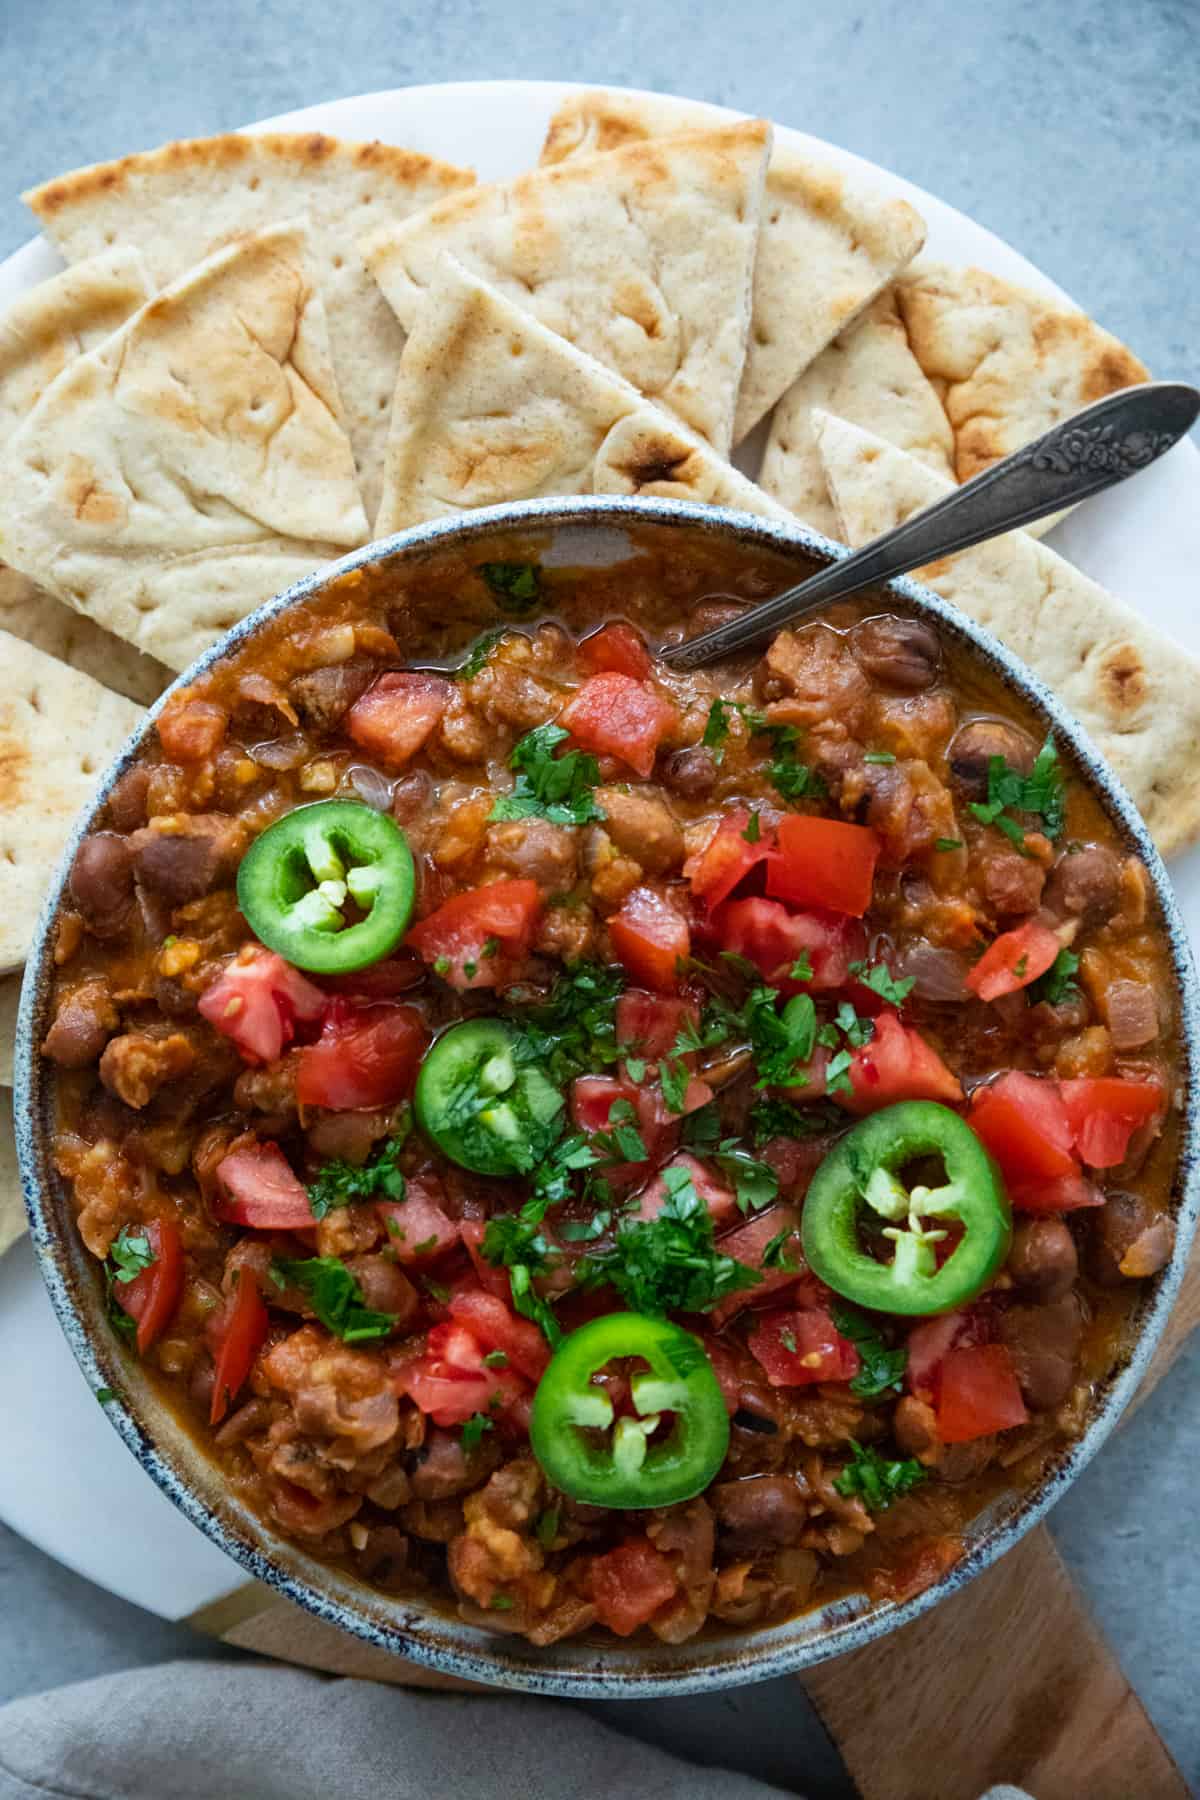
(180, 203)
(826, 249)
(490, 407)
(172, 480)
(13, 1218)
(1008, 364)
(10, 999)
(1135, 692)
(643, 258)
(871, 377)
(58, 731)
(39, 335)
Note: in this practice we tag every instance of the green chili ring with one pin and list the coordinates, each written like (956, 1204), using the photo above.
(297, 877)
(482, 1103)
(626, 1469)
(860, 1176)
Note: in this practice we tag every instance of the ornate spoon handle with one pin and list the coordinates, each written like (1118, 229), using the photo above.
(1100, 446)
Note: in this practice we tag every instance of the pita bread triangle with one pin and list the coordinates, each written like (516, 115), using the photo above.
(1135, 692)
(490, 407)
(828, 244)
(1007, 363)
(643, 258)
(181, 202)
(39, 335)
(169, 481)
(869, 376)
(58, 730)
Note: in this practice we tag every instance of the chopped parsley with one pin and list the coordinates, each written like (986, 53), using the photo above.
(341, 1183)
(788, 1340)
(770, 1118)
(334, 1296)
(753, 831)
(471, 1435)
(518, 585)
(574, 1029)
(787, 773)
(496, 1359)
(477, 655)
(1020, 966)
(516, 1241)
(875, 1480)
(801, 969)
(635, 1068)
(1042, 792)
(558, 788)
(879, 756)
(775, 1255)
(622, 1142)
(129, 1255)
(780, 1042)
(674, 1081)
(105, 1394)
(502, 1603)
(881, 981)
(948, 844)
(716, 729)
(882, 1368)
(755, 1183)
(1058, 985)
(669, 1263)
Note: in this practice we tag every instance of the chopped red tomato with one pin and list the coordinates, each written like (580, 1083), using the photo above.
(1023, 1122)
(592, 1100)
(1013, 960)
(897, 1064)
(617, 648)
(494, 1280)
(236, 1334)
(153, 1294)
(418, 1226)
(614, 715)
(381, 981)
(451, 1379)
(824, 862)
(648, 1024)
(257, 1001)
(472, 937)
(929, 1344)
(630, 1584)
(365, 1056)
(649, 938)
(979, 1394)
(500, 1332)
(802, 1346)
(1105, 1111)
(795, 1161)
(259, 1190)
(773, 939)
(720, 1199)
(397, 713)
(190, 730)
(1067, 1193)
(775, 1226)
(727, 858)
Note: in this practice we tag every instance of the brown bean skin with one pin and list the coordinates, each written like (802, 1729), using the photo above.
(1085, 885)
(900, 653)
(973, 747)
(1043, 1261)
(765, 1512)
(101, 882)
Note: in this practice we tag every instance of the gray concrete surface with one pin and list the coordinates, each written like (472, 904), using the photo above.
(1074, 131)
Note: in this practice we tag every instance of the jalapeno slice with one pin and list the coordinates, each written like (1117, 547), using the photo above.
(588, 1456)
(329, 886)
(483, 1100)
(859, 1184)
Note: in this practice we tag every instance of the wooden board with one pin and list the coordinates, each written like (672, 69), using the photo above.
(1011, 1680)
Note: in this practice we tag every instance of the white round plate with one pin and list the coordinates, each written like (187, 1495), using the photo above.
(66, 1481)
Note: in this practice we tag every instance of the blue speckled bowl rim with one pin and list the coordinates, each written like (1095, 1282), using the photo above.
(426, 1635)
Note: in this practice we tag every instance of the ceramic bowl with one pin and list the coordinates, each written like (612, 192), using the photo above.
(601, 532)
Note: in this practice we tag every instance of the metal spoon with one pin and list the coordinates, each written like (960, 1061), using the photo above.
(1094, 450)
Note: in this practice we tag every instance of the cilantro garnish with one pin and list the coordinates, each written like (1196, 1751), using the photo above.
(1042, 791)
(753, 831)
(793, 778)
(801, 969)
(702, 1128)
(517, 584)
(340, 1183)
(770, 1118)
(780, 1042)
(546, 1529)
(716, 729)
(105, 1394)
(471, 1435)
(129, 1255)
(788, 1340)
(335, 1297)
(477, 655)
(496, 1359)
(674, 1080)
(669, 1263)
(775, 1255)
(1058, 984)
(754, 1183)
(948, 844)
(879, 756)
(622, 1142)
(882, 1368)
(502, 1603)
(558, 788)
(881, 981)
(575, 1030)
(875, 1479)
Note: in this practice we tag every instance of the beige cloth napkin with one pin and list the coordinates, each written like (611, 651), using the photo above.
(256, 1731)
